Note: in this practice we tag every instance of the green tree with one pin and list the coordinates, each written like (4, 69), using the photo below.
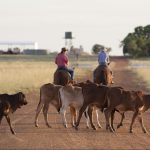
(96, 48)
(137, 43)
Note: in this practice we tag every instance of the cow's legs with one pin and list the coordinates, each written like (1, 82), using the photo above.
(82, 109)
(87, 118)
(107, 116)
(141, 123)
(112, 118)
(133, 119)
(90, 110)
(63, 113)
(1, 117)
(38, 110)
(97, 118)
(121, 122)
(8, 120)
(73, 116)
(45, 112)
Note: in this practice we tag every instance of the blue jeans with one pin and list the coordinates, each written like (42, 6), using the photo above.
(71, 71)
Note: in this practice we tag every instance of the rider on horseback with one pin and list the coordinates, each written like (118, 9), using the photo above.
(103, 60)
(62, 62)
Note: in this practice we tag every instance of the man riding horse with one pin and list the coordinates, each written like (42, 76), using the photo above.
(102, 74)
(63, 74)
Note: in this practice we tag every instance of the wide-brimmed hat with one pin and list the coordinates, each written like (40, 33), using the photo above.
(64, 49)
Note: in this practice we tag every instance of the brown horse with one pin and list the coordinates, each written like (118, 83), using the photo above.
(103, 75)
(61, 77)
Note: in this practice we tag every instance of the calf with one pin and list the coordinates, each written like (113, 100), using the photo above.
(9, 104)
(146, 100)
(122, 101)
(94, 95)
(48, 95)
(91, 108)
(72, 96)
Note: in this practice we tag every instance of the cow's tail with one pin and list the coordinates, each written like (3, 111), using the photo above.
(40, 104)
(38, 110)
(59, 100)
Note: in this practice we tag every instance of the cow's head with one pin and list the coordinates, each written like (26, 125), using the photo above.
(22, 99)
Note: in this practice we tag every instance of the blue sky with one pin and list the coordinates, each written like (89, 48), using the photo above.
(104, 22)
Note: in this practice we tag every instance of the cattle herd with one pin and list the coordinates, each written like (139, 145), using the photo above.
(83, 97)
(86, 96)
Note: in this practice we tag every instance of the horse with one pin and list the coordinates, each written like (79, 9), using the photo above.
(61, 77)
(103, 75)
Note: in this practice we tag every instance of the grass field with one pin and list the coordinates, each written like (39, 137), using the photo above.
(27, 73)
(141, 67)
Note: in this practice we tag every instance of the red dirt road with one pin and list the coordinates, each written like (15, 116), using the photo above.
(57, 137)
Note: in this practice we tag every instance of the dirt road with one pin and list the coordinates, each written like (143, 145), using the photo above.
(57, 137)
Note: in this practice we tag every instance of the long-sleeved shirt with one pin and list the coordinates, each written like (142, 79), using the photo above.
(61, 60)
(103, 58)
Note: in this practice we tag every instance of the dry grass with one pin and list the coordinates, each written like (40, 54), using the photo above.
(142, 69)
(25, 76)
(27, 73)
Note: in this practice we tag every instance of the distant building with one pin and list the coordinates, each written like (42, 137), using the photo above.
(5, 45)
(35, 52)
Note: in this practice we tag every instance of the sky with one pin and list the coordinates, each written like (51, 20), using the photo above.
(105, 22)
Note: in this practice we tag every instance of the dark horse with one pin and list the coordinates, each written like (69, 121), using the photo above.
(102, 75)
(61, 77)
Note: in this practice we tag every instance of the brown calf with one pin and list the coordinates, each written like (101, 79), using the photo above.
(48, 95)
(94, 95)
(146, 100)
(122, 101)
